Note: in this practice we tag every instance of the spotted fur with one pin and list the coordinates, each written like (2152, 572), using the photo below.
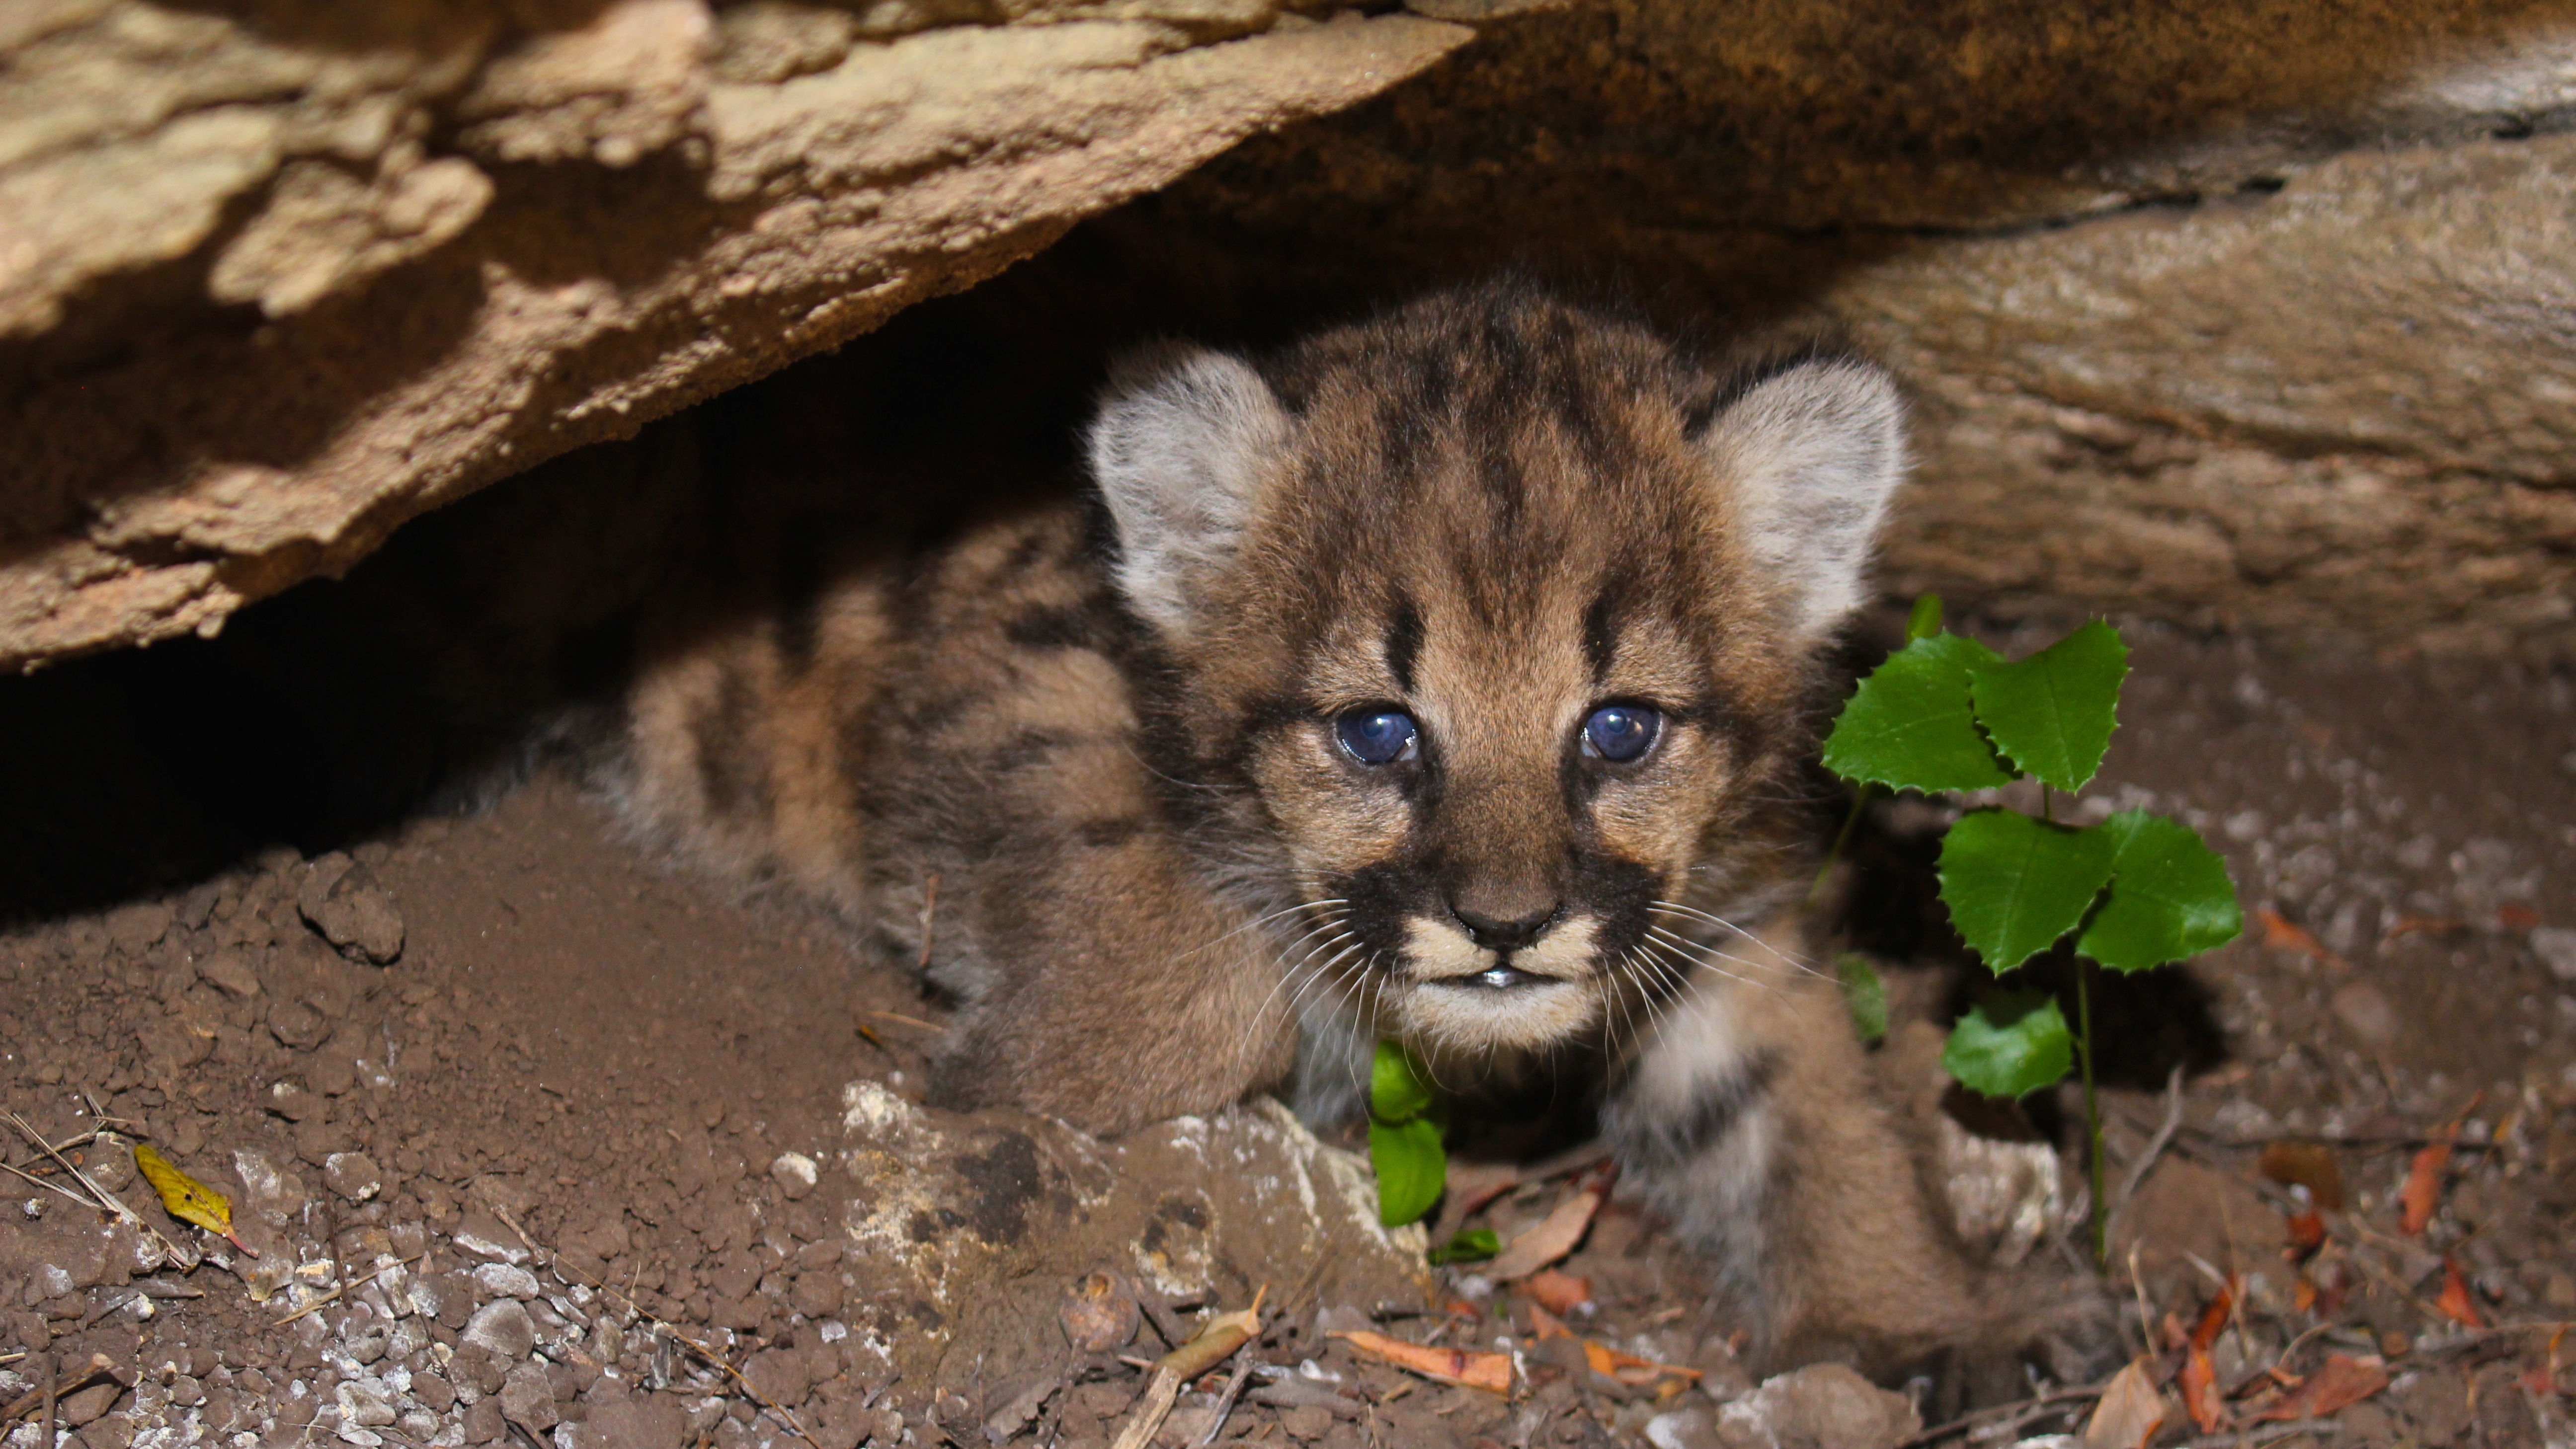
(1082, 751)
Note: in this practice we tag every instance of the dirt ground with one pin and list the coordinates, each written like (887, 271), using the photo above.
(589, 1091)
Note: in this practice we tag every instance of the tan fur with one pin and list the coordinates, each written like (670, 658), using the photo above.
(1107, 726)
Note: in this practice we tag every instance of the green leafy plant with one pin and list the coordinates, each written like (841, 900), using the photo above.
(1474, 1245)
(2136, 891)
(1407, 1121)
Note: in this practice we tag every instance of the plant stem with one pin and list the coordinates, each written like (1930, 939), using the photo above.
(1842, 838)
(2099, 1215)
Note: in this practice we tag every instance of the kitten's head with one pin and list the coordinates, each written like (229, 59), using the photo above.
(1490, 627)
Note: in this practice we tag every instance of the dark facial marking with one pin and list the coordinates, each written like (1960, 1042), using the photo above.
(1601, 630)
(1404, 642)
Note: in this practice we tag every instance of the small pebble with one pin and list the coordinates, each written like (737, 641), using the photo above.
(503, 1330)
(506, 1280)
(2556, 948)
(353, 1175)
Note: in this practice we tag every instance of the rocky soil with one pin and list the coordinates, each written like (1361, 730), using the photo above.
(537, 1140)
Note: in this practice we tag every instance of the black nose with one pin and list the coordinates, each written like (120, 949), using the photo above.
(1509, 935)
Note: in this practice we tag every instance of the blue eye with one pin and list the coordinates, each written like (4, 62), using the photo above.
(1377, 736)
(1620, 732)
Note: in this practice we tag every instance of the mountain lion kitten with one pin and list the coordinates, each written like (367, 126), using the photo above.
(1445, 678)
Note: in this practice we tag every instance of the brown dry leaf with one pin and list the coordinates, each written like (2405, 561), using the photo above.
(1629, 1369)
(2199, 1383)
(2213, 1319)
(1465, 1368)
(2280, 935)
(1557, 1292)
(2423, 1190)
(2130, 1411)
(2308, 1232)
(2455, 1302)
(188, 1200)
(2310, 1165)
(2343, 1382)
(1553, 1238)
(1545, 1325)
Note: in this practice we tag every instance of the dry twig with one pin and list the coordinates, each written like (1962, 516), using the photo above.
(2146, 1159)
(1215, 1341)
(1225, 1403)
(2261, 1434)
(2032, 1405)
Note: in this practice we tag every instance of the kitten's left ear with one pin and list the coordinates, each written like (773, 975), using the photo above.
(1184, 442)
(1813, 453)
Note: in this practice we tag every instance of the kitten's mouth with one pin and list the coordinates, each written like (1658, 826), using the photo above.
(1497, 978)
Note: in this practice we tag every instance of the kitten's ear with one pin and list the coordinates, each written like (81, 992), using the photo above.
(1185, 440)
(1813, 453)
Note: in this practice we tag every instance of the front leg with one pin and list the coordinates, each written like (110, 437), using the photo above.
(1753, 1122)
(1116, 990)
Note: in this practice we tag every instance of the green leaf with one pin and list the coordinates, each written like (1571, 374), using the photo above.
(1865, 994)
(1924, 620)
(2010, 1044)
(2170, 896)
(1910, 726)
(1474, 1245)
(2052, 714)
(2015, 884)
(1411, 1169)
(1398, 1090)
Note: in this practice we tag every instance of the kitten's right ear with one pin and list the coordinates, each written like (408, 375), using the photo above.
(1185, 440)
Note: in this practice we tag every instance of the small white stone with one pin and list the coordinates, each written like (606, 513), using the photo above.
(506, 1280)
(2556, 948)
(794, 1173)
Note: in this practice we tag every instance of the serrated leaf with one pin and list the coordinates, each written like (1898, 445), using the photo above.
(1910, 725)
(1864, 994)
(2170, 896)
(1474, 1245)
(1411, 1169)
(1924, 619)
(2010, 1044)
(2015, 884)
(1398, 1090)
(2052, 714)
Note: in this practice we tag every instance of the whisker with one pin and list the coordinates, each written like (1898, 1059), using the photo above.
(1708, 956)
(1675, 908)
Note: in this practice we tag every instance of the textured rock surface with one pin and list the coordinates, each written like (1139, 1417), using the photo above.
(2246, 315)
(985, 1219)
(276, 277)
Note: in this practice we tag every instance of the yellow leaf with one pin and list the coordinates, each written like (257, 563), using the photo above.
(188, 1200)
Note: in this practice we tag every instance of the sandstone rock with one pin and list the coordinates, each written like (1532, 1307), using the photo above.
(415, 247)
(2218, 312)
(1828, 1406)
(985, 1216)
